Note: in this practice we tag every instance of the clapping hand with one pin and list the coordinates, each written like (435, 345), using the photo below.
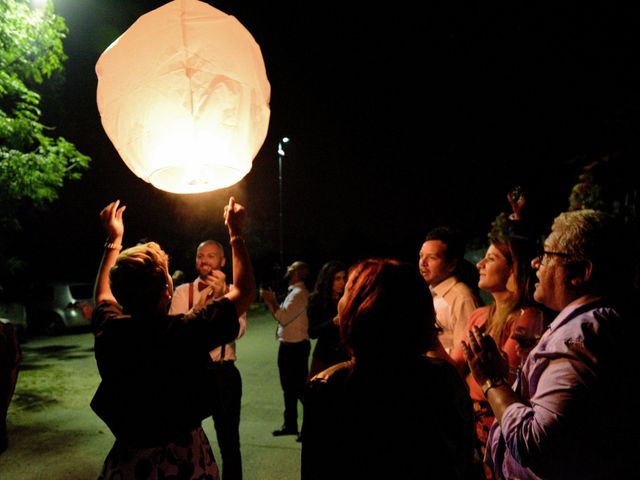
(216, 281)
(269, 298)
(483, 357)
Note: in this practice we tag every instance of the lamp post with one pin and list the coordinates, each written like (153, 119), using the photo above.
(280, 157)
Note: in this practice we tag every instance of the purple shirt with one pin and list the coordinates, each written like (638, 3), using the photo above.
(572, 423)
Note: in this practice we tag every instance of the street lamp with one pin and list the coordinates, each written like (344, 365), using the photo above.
(280, 157)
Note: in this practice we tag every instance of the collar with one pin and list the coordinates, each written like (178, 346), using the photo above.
(441, 289)
(295, 285)
(577, 307)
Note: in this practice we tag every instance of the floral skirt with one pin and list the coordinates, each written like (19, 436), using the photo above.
(190, 458)
(483, 420)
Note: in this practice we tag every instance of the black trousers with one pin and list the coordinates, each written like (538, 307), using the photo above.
(293, 365)
(225, 378)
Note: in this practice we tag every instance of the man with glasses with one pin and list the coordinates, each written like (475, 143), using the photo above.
(570, 413)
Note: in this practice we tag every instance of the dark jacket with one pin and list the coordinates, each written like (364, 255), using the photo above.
(408, 419)
(153, 387)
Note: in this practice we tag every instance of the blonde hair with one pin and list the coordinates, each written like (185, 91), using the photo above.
(139, 277)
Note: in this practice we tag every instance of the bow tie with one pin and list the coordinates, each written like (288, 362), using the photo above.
(202, 286)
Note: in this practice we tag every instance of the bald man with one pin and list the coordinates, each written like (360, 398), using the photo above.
(294, 348)
(224, 375)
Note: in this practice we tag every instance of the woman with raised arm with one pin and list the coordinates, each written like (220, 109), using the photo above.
(152, 393)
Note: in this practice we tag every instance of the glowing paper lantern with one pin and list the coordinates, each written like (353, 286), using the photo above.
(183, 96)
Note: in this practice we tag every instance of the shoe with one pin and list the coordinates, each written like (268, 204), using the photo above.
(299, 438)
(285, 431)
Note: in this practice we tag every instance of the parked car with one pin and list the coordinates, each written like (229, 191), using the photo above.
(57, 307)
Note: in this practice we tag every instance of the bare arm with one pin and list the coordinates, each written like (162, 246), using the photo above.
(111, 217)
(243, 292)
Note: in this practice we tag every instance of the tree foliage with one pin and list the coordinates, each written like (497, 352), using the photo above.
(33, 164)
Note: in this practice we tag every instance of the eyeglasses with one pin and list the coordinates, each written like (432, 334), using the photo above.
(544, 253)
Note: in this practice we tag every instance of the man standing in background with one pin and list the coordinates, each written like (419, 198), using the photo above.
(293, 352)
(223, 374)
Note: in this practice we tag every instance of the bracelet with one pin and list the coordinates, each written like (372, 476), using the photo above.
(233, 238)
(113, 246)
(492, 383)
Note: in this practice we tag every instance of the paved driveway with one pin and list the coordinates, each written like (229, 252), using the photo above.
(53, 433)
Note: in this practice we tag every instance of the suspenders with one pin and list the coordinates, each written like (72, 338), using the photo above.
(222, 348)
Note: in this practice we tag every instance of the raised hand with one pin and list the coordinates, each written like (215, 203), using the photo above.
(234, 216)
(111, 217)
(516, 200)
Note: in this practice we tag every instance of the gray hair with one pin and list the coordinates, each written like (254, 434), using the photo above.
(598, 238)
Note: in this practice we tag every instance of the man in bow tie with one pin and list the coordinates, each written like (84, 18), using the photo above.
(224, 375)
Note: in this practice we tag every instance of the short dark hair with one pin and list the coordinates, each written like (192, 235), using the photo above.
(452, 238)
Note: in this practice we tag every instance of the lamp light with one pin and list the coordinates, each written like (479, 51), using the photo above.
(281, 155)
(183, 96)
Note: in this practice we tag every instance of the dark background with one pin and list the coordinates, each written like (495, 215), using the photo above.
(400, 117)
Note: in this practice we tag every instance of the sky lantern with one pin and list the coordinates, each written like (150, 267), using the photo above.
(183, 95)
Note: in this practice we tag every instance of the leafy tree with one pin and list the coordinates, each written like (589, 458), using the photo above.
(608, 183)
(33, 164)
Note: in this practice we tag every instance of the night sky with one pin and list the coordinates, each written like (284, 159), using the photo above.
(400, 119)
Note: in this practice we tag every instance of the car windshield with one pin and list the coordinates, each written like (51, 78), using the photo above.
(81, 291)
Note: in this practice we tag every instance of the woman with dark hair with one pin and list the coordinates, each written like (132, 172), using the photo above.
(322, 311)
(153, 394)
(390, 411)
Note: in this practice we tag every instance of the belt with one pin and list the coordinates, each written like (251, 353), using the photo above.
(294, 343)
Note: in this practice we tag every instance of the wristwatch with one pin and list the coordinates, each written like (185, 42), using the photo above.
(492, 383)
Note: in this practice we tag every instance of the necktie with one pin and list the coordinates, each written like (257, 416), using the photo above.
(202, 286)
